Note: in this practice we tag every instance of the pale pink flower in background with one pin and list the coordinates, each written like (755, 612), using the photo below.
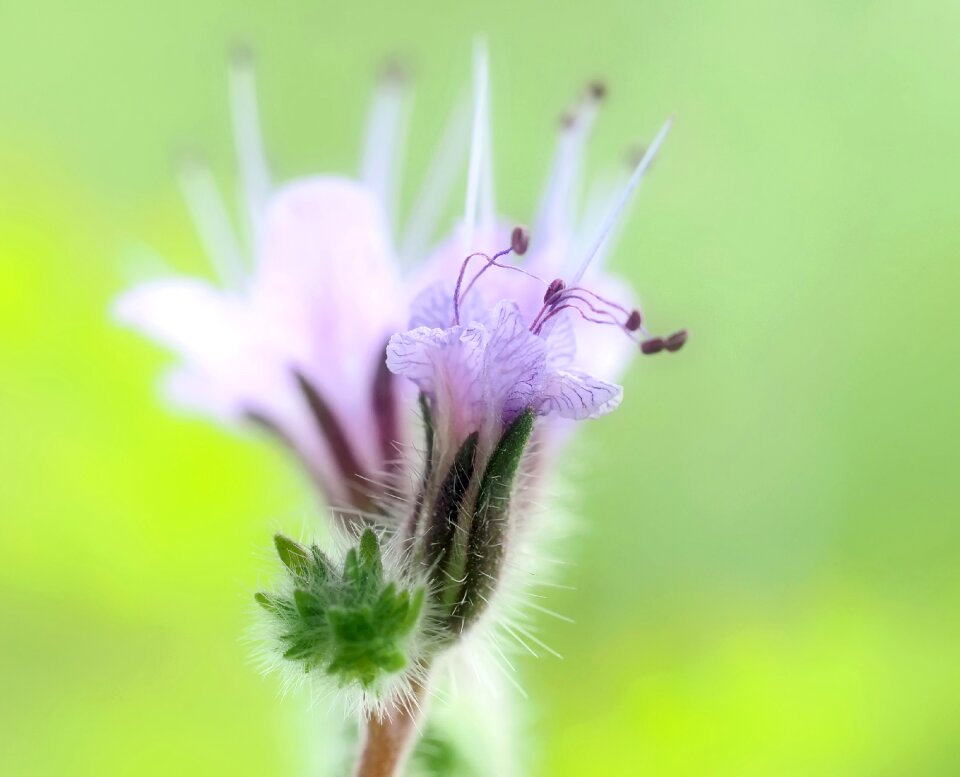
(293, 337)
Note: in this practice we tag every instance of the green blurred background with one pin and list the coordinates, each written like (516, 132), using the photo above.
(766, 569)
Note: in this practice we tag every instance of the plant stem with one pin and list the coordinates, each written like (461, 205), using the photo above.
(388, 741)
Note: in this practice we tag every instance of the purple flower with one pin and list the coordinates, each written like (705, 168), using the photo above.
(482, 374)
(314, 284)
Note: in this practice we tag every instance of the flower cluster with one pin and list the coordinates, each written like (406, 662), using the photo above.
(326, 328)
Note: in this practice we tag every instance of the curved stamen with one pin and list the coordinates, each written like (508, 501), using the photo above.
(560, 297)
(519, 240)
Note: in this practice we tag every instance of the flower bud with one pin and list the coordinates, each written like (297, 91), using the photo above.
(350, 623)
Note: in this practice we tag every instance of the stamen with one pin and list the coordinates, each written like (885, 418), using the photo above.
(254, 173)
(556, 286)
(652, 346)
(519, 242)
(621, 203)
(559, 297)
(564, 301)
(385, 135)
(488, 208)
(481, 76)
(675, 342)
(438, 183)
(558, 202)
(212, 222)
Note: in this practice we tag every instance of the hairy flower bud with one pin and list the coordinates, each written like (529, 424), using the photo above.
(349, 622)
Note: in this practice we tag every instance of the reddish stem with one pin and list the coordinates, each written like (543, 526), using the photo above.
(388, 741)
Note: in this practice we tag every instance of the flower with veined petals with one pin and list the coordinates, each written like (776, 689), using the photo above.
(295, 342)
(309, 337)
(485, 369)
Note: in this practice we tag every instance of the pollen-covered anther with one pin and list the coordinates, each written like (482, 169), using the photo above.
(652, 346)
(556, 286)
(588, 305)
(520, 240)
(597, 89)
(675, 341)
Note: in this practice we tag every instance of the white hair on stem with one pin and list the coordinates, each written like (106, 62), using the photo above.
(212, 222)
(615, 212)
(254, 174)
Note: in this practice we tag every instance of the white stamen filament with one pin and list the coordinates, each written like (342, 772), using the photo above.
(438, 183)
(617, 209)
(488, 208)
(481, 76)
(384, 139)
(254, 175)
(212, 222)
(557, 206)
(603, 193)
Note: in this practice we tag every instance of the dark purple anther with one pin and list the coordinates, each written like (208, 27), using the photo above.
(633, 321)
(675, 342)
(652, 346)
(598, 90)
(519, 240)
(556, 286)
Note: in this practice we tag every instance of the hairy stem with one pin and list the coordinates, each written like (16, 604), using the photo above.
(388, 741)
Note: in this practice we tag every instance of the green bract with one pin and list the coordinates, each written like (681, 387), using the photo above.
(348, 622)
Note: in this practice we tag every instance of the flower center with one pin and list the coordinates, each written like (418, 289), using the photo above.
(559, 297)
(519, 242)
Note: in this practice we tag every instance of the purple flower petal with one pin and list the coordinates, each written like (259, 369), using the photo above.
(578, 396)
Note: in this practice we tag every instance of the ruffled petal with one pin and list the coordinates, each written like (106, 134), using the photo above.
(578, 396)
(514, 365)
(447, 365)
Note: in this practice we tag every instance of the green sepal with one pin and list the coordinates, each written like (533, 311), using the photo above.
(293, 555)
(485, 547)
(440, 534)
(268, 602)
(307, 604)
